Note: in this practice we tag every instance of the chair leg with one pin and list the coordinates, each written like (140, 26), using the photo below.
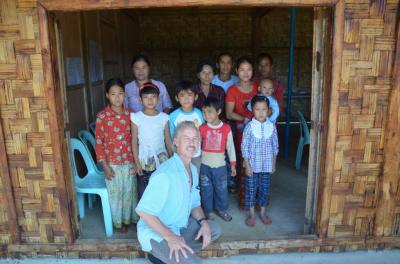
(90, 200)
(81, 205)
(299, 153)
(106, 214)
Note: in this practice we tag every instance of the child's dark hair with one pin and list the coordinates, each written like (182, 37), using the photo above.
(243, 59)
(258, 99)
(140, 57)
(114, 81)
(148, 88)
(212, 102)
(203, 63)
(262, 56)
(224, 54)
(185, 86)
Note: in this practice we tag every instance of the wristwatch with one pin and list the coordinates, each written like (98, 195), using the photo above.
(201, 220)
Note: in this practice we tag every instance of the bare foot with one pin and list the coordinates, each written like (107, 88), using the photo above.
(265, 219)
(251, 221)
(122, 230)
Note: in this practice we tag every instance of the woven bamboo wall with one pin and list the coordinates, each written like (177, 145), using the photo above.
(353, 189)
(24, 117)
(365, 86)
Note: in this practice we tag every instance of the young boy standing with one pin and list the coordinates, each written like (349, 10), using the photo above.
(216, 138)
(259, 151)
(186, 95)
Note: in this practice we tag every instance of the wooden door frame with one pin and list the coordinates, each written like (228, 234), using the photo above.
(321, 87)
(51, 82)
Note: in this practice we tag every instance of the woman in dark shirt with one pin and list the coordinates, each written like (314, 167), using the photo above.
(205, 89)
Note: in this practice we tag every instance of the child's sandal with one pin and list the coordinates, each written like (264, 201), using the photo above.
(224, 215)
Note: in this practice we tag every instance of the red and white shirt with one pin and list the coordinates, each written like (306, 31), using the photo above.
(215, 140)
(113, 137)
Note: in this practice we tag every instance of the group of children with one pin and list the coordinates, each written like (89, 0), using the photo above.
(130, 144)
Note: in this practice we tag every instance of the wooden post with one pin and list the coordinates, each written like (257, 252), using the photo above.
(320, 72)
(333, 114)
(49, 58)
(7, 188)
(389, 184)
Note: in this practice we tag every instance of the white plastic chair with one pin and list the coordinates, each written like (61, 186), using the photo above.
(91, 183)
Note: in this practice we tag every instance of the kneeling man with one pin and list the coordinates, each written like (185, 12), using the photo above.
(172, 225)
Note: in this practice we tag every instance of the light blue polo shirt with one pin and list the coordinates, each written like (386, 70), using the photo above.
(217, 81)
(169, 197)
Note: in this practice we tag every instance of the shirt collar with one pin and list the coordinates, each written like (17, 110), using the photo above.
(181, 166)
(111, 112)
(200, 91)
(217, 126)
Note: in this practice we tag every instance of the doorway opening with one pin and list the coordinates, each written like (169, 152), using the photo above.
(94, 46)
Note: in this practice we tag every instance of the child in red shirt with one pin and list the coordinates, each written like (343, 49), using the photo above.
(216, 138)
(114, 151)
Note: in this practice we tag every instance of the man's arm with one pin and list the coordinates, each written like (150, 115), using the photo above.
(154, 223)
(175, 243)
(205, 230)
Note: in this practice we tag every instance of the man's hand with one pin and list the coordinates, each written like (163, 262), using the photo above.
(205, 232)
(177, 244)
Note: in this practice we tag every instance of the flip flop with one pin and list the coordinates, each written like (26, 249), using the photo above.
(224, 215)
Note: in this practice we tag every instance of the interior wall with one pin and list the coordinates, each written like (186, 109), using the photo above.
(103, 43)
(92, 54)
(76, 100)
(175, 40)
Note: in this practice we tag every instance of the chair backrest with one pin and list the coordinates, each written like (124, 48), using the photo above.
(77, 145)
(304, 130)
(92, 127)
(87, 137)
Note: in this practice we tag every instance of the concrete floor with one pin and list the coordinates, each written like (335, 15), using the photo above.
(286, 209)
(364, 257)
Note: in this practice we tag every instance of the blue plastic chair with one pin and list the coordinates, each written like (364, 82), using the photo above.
(92, 183)
(87, 138)
(92, 127)
(303, 140)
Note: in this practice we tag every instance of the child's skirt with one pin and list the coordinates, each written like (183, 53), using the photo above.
(122, 194)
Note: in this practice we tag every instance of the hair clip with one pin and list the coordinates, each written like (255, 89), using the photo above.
(148, 85)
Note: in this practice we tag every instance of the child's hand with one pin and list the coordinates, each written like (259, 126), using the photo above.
(233, 171)
(273, 170)
(249, 171)
(139, 169)
(108, 173)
